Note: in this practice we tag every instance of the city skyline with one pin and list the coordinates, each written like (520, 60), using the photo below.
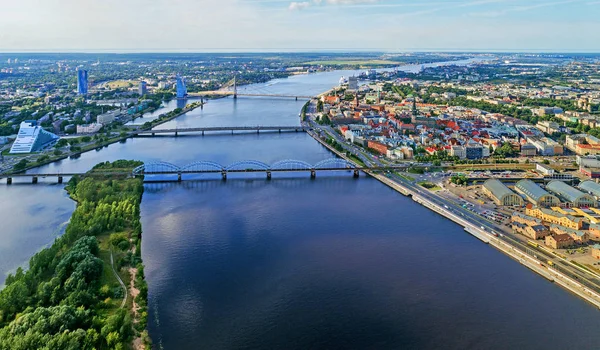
(236, 25)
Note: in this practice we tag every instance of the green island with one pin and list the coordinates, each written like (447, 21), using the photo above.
(87, 290)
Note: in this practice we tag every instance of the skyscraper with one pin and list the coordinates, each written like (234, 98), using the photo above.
(142, 90)
(82, 82)
(181, 89)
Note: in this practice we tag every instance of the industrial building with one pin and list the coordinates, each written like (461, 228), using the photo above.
(590, 187)
(501, 194)
(32, 138)
(536, 195)
(571, 195)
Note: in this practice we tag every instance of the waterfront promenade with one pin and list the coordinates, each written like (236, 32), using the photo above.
(555, 269)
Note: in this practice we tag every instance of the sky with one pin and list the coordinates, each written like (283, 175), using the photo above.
(304, 25)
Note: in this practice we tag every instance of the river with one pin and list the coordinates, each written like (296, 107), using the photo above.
(294, 263)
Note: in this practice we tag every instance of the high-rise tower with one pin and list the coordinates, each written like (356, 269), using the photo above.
(181, 89)
(82, 82)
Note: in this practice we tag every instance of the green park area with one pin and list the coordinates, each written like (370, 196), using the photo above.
(87, 290)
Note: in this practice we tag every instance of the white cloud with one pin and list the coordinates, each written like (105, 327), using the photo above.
(295, 6)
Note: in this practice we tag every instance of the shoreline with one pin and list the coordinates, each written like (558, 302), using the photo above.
(544, 270)
(107, 143)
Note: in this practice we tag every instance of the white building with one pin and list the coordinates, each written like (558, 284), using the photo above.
(458, 151)
(108, 118)
(89, 128)
(32, 138)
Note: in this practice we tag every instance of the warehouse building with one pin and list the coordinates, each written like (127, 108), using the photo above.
(536, 195)
(501, 194)
(571, 195)
(590, 187)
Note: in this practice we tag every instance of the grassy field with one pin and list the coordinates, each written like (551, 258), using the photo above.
(121, 84)
(353, 63)
(429, 186)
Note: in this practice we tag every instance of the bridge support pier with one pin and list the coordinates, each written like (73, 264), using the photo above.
(313, 174)
(202, 132)
(175, 133)
(280, 131)
(356, 173)
(178, 177)
(268, 175)
(224, 175)
(34, 180)
(296, 98)
(152, 134)
(60, 179)
(9, 180)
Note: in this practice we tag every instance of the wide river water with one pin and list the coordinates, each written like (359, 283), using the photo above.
(294, 263)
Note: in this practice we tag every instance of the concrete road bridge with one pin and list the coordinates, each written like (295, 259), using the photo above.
(216, 129)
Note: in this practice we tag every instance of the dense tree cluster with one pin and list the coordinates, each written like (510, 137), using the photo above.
(61, 301)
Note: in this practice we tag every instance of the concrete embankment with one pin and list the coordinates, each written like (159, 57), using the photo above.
(530, 262)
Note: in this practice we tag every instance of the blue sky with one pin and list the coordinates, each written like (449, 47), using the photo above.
(230, 25)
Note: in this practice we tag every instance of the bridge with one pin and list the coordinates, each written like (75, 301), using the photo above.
(209, 167)
(230, 89)
(202, 130)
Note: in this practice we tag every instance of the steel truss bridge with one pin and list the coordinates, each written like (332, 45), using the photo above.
(254, 166)
(202, 130)
(208, 167)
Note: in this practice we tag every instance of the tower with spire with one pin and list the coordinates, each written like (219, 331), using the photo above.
(415, 111)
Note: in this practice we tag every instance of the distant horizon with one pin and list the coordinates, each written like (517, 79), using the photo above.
(294, 50)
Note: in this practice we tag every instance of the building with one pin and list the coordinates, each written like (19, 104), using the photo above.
(32, 138)
(181, 89)
(554, 217)
(559, 241)
(590, 187)
(544, 169)
(474, 150)
(352, 83)
(377, 146)
(528, 150)
(458, 151)
(108, 118)
(501, 194)
(143, 88)
(578, 236)
(89, 128)
(548, 127)
(533, 232)
(546, 146)
(82, 82)
(535, 194)
(525, 219)
(596, 251)
(583, 144)
(571, 195)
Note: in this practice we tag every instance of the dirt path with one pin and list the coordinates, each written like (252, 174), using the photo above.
(112, 265)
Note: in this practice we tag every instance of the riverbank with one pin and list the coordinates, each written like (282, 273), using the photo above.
(546, 269)
(73, 292)
(120, 138)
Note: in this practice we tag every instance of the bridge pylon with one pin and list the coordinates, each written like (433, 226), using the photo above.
(234, 88)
